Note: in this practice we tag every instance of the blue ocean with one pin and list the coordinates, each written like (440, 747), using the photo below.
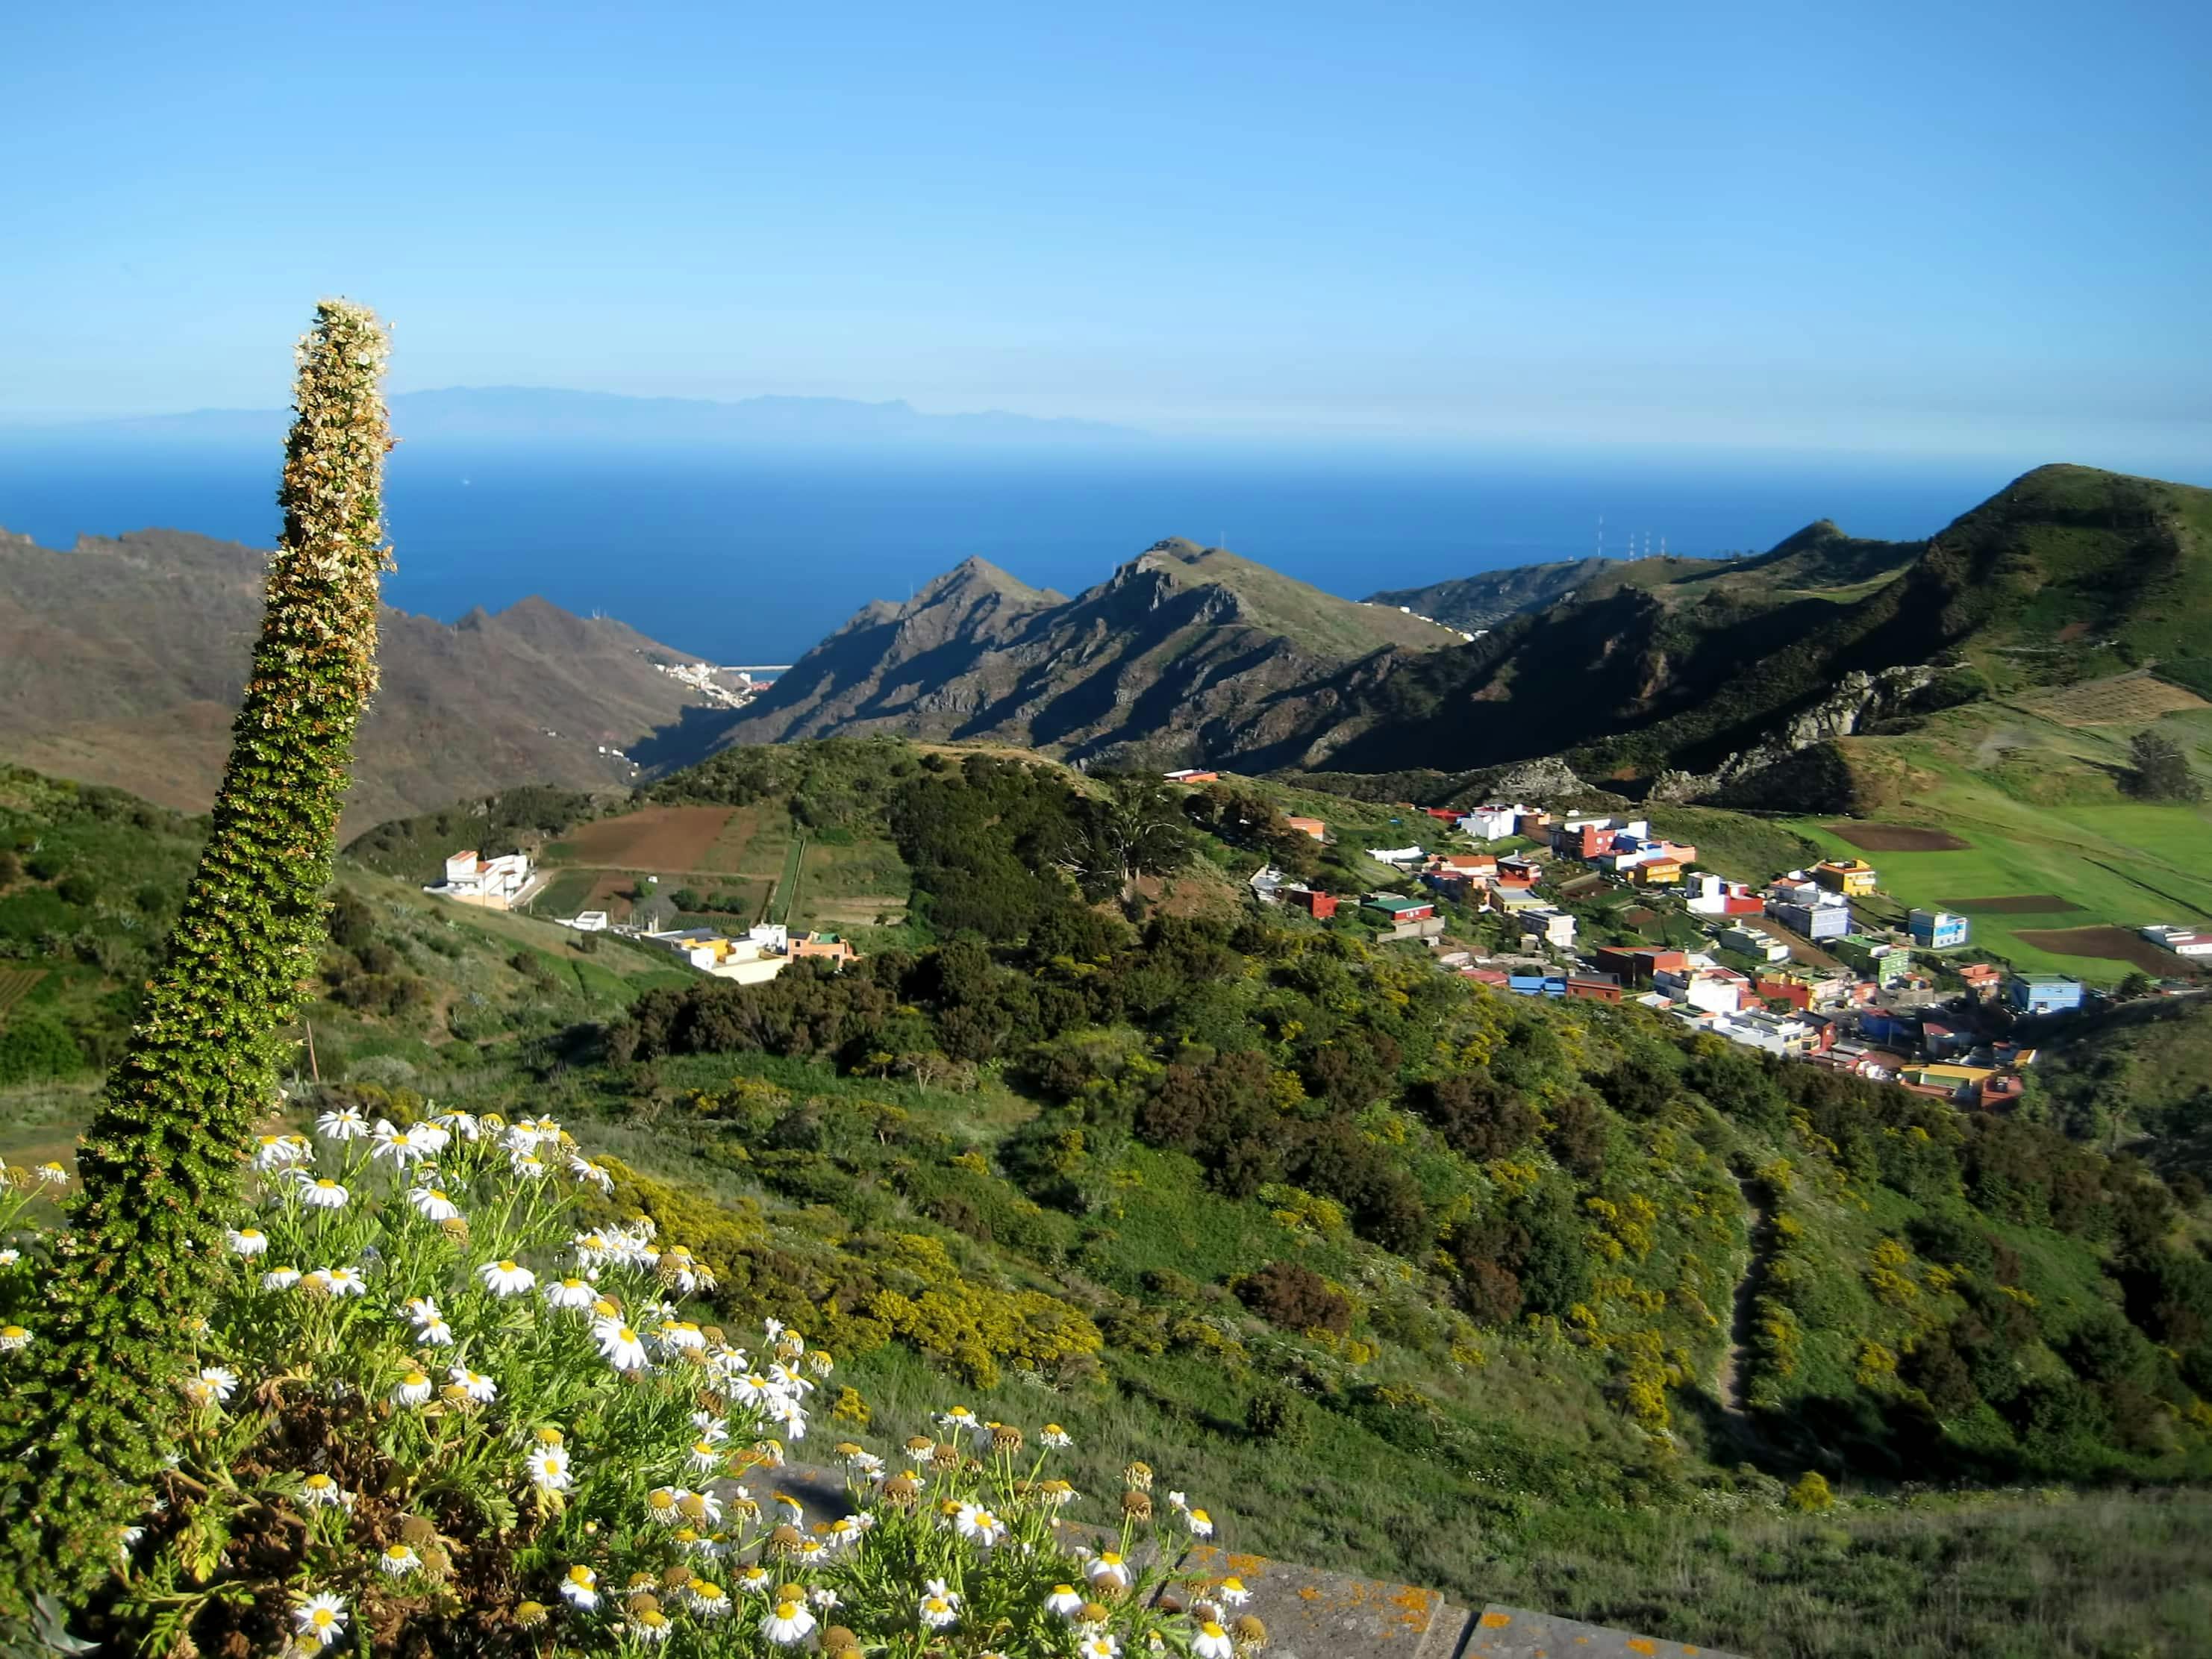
(750, 560)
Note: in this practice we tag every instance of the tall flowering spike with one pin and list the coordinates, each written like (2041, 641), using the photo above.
(82, 1437)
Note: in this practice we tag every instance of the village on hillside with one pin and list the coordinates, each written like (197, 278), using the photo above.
(1817, 965)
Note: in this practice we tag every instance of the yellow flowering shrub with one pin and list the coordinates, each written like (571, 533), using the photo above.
(973, 1326)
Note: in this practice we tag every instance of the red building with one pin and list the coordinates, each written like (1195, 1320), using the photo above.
(1593, 988)
(1635, 965)
(1320, 905)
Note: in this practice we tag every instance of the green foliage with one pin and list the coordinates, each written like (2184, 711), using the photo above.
(2160, 770)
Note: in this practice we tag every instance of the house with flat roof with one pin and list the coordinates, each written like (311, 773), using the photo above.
(1937, 930)
(496, 883)
(2042, 994)
(1852, 877)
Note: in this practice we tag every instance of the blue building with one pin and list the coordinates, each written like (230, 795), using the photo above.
(2043, 993)
(1936, 930)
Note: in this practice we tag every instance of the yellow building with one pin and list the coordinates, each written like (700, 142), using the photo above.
(1850, 877)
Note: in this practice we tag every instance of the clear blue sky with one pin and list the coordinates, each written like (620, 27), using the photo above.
(1941, 226)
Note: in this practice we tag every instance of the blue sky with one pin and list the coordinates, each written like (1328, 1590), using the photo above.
(1919, 226)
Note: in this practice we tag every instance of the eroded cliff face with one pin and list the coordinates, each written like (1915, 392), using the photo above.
(1859, 700)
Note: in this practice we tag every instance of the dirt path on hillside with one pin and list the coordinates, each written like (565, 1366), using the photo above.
(1729, 1384)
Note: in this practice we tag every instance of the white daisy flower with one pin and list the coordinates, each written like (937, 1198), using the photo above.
(549, 1467)
(754, 1579)
(591, 1173)
(319, 1192)
(580, 1588)
(1063, 1600)
(1232, 1593)
(341, 1123)
(277, 1152)
(680, 1336)
(401, 1146)
(620, 1345)
(572, 1294)
(664, 1505)
(13, 1338)
(528, 1165)
(398, 1560)
(432, 1205)
(9, 1257)
(705, 1455)
(1213, 1642)
(247, 1241)
(436, 1334)
(650, 1627)
(211, 1385)
(1053, 1435)
(1200, 1522)
(506, 1278)
(322, 1616)
(471, 1385)
(940, 1608)
(421, 1310)
(461, 1125)
(1101, 1646)
(1107, 1570)
(413, 1389)
(709, 1598)
(787, 1624)
(280, 1278)
(346, 1281)
(320, 1491)
(978, 1525)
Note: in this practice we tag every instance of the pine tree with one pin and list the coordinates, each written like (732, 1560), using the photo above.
(83, 1432)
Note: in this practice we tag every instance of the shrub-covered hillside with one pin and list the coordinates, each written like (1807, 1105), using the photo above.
(1436, 1279)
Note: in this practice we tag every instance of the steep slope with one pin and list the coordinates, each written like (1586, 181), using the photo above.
(1161, 656)
(121, 661)
(2066, 573)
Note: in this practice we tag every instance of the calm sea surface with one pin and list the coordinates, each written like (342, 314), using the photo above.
(750, 560)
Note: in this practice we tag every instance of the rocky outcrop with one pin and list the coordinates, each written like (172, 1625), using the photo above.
(1859, 700)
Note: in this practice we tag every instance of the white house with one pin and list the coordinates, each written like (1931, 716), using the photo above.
(1491, 822)
(1765, 947)
(1553, 928)
(588, 921)
(747, 961)
(2182, 941)
(496, 883)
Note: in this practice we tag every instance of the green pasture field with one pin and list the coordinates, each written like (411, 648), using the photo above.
(2127, 865)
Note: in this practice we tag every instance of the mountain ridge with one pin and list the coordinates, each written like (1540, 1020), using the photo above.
(1176, 638)
(1686, 673)
(121, 660)
(482, 413)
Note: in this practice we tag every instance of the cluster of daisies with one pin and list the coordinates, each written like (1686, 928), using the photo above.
(427, 1287)
(963, 1540)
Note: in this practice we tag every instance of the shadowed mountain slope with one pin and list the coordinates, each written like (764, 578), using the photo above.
(1161, 656)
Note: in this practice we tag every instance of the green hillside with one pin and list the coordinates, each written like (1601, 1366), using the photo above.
(1407, 1277)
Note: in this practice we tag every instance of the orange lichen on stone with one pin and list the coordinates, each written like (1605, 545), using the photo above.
(1639, 1644)
(1496, 1620)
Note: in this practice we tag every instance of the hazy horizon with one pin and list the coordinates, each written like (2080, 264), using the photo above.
(1947, 231)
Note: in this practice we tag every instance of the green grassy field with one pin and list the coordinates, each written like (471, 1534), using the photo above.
(2033, 786)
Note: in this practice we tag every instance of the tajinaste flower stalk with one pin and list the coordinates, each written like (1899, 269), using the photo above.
(82, 1431)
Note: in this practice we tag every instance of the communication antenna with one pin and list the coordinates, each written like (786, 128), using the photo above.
(1600, 535)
